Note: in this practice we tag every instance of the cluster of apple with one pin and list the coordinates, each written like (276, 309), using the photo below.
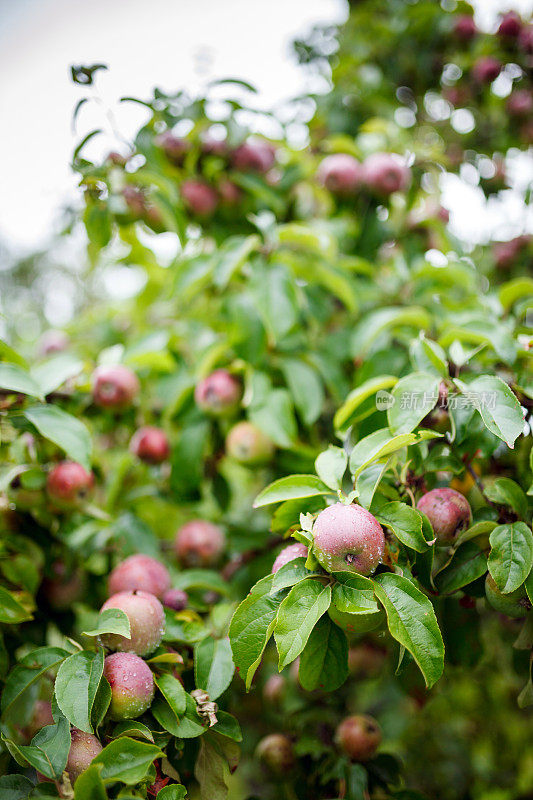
(381, 173)
(115, 387)
(347, 537)
(200, 197)
(516, 38)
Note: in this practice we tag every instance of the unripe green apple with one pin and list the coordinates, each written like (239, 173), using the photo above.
(132, 685)
(356, 625)
(514, 604)
(276, 753)
(348, 538)
(248, 445)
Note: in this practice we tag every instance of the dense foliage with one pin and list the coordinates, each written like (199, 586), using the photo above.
(274, 507)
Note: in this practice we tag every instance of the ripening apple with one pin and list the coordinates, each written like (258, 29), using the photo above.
(147, 623)
(448, 511)
(358, 736)
(150, 444)
(132, 685)
(139, 572)
(348, 538)
(114, 386)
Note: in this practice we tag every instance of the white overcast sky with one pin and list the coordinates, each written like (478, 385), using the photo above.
(146, 43)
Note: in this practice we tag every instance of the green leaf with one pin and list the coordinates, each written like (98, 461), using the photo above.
(126, 760)
(134, 729)
(368, 481)
(515, 289)
(111, 620)
(89, 785)
(506, 492)
(48, 751)
(11, 611)
(276, 300)
(412, 622)
(16, 379)
(356, 397)
(232, 256)
(297, 616)
(15, 787)
(190, 726)
(29, 670)
(200, 579)
(324, 659)
(77, 682)
(498, 407)
(428, 356)
(384, 319)
(252, 626)
(172, 792)
(228, 726)
(469, 563)
(289, 574)
(414, 396)
(306, 388)
(353, 594)
(64, 430)
(212, 768)
(275, 417)
(292, 487)
(511, 555)
(53, 373)
(213, 666)
(331, 465)
(406, 523)
(8, 354)
(173, 692)
(382, 443)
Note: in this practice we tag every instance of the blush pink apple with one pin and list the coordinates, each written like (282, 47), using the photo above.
(340, 173)
(348, 538)
(147, 623)
(289, 553)
(254, 155)
(219, 393)
(84, 747)
(68, 484)
(199, 543)
(114, 386)
(200, 198)
(448, 511)
(139, 573)
(386, 173)
(132, 685)
(150, 444)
